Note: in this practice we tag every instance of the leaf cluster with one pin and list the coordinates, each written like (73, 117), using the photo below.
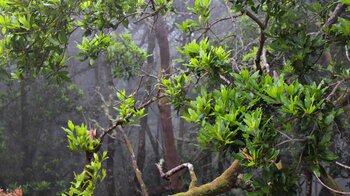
(79, 138)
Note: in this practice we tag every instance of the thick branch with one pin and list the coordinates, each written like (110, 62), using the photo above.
(221, 184)
(334, 17)
(251, 15)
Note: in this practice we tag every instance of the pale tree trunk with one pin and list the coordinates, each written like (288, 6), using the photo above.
(104, 83)
(171, 157)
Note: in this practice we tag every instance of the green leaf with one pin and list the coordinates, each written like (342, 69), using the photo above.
(347, 2)
(70, 125)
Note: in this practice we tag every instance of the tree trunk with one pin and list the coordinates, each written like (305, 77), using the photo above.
(171, 157)
(141, 152)
(26, 144)
(104, 83)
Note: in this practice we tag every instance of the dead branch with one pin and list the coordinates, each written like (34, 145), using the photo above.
(340, 164)
(173, 171)
(133, 160)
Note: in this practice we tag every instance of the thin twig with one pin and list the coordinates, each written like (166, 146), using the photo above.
(175, 170)
(347, 53)
(291, 140)
(121, 122)
(285, 135)
(345, 166)
(329, 188)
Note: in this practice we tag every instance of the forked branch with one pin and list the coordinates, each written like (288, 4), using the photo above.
(221, 184)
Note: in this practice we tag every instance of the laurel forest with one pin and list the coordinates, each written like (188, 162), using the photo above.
(179, 97)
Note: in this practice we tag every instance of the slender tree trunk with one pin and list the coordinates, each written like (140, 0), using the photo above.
(104, 82)
(171, 157)
(141, 151)
(110, 169)
(26, 144)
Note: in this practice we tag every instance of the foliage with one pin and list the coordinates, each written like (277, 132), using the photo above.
(80, 139)
(125, 57)
(34, 29)
(86, 186)
(127, 110)
(254, 112)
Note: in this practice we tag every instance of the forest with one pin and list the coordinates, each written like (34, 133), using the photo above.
(174, 97)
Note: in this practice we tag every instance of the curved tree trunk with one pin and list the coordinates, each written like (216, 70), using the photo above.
(171, 157)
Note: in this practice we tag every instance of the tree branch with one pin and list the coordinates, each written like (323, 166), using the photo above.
(330, 184)
(173, 171)
(251, 15)
(133, 160)
(121, 122)
(221, 184)
(334, 17)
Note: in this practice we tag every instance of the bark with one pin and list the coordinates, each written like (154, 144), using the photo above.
(221, 184)
(181, 135)
(104, 83)
(171, 157)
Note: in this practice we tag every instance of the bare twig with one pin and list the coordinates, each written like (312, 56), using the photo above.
(285, 135)
(173, 171)
(347, 53)
(329, 188)
(345, 166)
(227, 81)
(329, 97)
(133, 160)
(291, 140)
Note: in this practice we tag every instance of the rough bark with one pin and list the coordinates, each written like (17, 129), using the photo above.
(171, 157)
(221, 184)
